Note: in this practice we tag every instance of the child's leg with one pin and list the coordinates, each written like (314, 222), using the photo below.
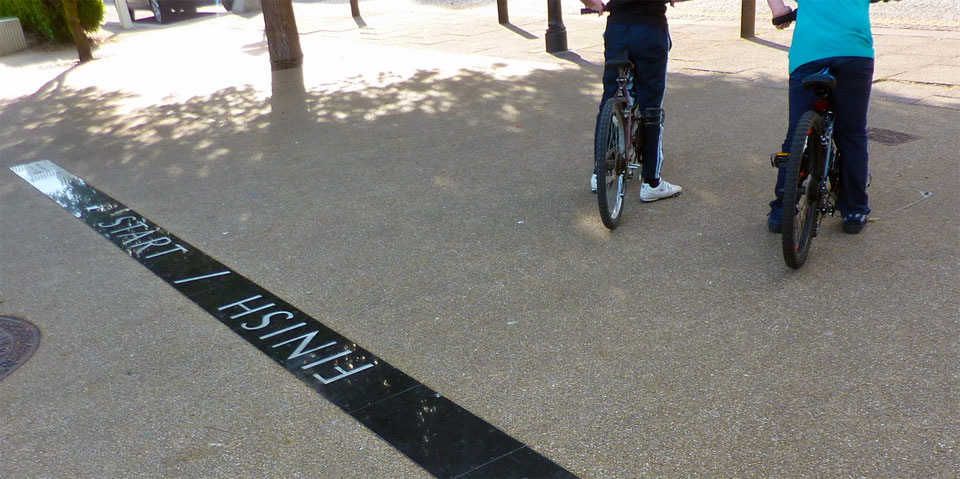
(851, 97)
(615, 45)
(800, 102)
(648, 48)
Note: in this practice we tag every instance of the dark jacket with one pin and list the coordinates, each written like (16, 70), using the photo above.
(647, 12)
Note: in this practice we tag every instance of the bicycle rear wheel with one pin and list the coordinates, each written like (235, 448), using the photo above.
(611, 162)
(801, 197)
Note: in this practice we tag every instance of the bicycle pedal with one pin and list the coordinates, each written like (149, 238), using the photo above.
(779, 160)
(633, 166)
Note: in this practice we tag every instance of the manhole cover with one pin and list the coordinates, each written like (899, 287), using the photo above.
(889, 137)
(18, 340)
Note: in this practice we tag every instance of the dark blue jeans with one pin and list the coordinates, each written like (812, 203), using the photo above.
(646, 46)
(850, 97)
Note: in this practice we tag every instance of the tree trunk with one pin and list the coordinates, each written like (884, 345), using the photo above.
(288, 104)
(79, 38)
(283, 39)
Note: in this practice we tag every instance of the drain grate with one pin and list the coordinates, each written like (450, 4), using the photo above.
(18, 340)
(889, 137)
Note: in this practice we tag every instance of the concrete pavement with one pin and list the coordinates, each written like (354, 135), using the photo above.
(424, 193)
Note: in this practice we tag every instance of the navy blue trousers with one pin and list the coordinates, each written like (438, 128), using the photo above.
(850, 97)
(646, 46)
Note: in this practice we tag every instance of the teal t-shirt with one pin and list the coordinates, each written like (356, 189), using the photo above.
(830, 28)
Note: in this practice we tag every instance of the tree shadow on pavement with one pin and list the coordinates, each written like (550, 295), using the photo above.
(473, 145)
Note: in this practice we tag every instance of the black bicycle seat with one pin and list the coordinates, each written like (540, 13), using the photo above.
(618, 63)
(821, 78)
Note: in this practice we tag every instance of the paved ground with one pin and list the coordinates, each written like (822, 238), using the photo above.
(424, 193)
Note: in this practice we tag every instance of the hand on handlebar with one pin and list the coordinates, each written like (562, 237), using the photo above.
(783, 15)
(592, 6)
(783, 18)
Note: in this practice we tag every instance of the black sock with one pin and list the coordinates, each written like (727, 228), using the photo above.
(653, 183)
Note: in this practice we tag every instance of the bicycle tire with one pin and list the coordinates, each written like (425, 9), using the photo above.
(610, 162)
(158, 7)
(801, 202)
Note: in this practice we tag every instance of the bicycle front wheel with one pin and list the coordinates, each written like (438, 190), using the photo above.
(611, 162)
(801, 198)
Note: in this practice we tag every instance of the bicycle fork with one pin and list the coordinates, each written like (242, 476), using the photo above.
(826, 199)
(828, 205)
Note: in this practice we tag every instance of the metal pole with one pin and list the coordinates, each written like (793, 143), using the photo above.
(556, 32)
(748, 17)
(502, 15)
(355, 11)
(123, 13)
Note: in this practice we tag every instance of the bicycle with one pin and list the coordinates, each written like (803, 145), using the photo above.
(619, 139)
(812, 184)
(812, 178)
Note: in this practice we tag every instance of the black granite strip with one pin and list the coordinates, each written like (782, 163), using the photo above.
(523, 462)
(440, 436)
(432, 417)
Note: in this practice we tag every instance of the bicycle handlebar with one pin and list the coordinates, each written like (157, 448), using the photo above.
(784, 19)
(588, 11)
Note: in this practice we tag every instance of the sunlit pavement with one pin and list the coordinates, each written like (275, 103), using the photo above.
(424, 193)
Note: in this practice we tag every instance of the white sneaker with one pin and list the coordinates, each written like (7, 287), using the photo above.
(663, 190)
(593, 183)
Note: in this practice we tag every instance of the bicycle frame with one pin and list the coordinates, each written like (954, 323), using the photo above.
(827, 194)
(624, 82)
(624, 79)
(616, 145)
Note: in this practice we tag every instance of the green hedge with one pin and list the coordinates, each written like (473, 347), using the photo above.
(46, 17)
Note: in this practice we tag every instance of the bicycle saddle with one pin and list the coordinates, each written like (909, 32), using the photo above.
(821, 78)
(617, 63)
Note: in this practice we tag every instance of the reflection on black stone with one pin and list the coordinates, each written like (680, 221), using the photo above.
(73, 194)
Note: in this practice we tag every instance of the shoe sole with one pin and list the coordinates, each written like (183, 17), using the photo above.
(852, 229)
(660, 198)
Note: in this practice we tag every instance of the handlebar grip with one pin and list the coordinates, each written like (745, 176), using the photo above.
(790, 17)
(589, 11)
